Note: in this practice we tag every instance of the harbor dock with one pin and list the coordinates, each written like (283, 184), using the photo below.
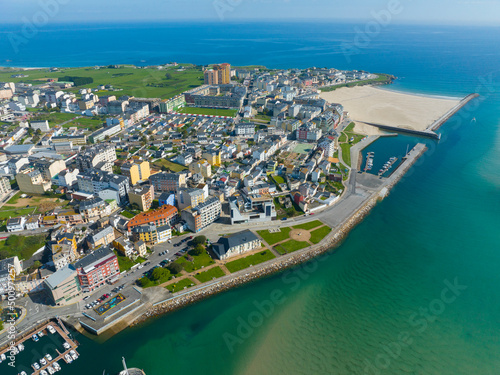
(61, 330)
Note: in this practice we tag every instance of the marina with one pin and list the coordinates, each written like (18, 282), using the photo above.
(387, 166)
(47, 364)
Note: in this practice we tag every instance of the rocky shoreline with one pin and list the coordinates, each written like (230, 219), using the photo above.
(333, 240)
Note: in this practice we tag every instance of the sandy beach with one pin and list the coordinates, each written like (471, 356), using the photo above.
(375, 105)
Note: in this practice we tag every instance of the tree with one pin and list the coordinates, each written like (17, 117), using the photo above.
(174, 268)
(168, 76)
(199, 240)
(159, 274)
(198, 250)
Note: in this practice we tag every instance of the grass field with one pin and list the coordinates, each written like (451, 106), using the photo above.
(279, 179)
(199, 261)
(290, 246)
(180, 285)
(22, 246)
(212, 273)
(69, 120)
(208, 111)
(273, 238)
(318, 234)
(174, 167)
(145, 83)
(126, 263)
(380, 80)
(252, 260)
(309, 225)
(8, 211)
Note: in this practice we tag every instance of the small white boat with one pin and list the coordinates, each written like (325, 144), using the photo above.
(43, 372)
(23, 373)
(51, 329)
(35, 337)
(68, 358)
(20, 347)
(66, 345)
(43, 362)
(41, 334)
(51, 370)
(73, 354)
(56, 366)
(48, 357)
(3, 357)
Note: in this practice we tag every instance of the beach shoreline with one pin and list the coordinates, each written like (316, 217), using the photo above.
(371, 105)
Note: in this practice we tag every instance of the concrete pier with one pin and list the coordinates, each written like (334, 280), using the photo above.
(437, 124)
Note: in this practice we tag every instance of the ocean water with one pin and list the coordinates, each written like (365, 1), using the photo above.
(412, 290)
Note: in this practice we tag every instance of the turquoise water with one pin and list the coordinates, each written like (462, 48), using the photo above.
(413, 289)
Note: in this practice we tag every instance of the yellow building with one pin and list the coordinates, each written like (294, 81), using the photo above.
(136, 170)
(213, 157)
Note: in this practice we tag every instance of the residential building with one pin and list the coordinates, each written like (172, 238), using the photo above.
(202, 167)
(63, 286)
(167, 182)
(30, 180)
(104, 133)
(5, 187)
(100, 157)
(245, 130)
(136, 171)
(236, 244)
(189, 197)
(94, 209)
(96, 268)
(167, 198)
(142, 197)
(152, 234)
(101, 237)
(16, 224)
(9, 268)
(165, 215)
(204, 214)
(49, 167)
(42, 125)
(124, 246)
(16, 164)
(106, 185)
(141, 248)
(33, 222)
(213, 157)
(66, 178)
(172, 104)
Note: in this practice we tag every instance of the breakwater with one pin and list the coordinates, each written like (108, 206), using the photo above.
(331, 241)
(437, 124)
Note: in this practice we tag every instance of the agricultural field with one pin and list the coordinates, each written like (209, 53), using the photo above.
(129, 80)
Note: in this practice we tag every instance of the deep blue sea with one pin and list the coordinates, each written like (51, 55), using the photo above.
(412, 290)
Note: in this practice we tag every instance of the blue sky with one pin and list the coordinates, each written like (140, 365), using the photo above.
(485, 12)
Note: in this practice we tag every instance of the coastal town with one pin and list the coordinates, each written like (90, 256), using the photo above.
(115, 207)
